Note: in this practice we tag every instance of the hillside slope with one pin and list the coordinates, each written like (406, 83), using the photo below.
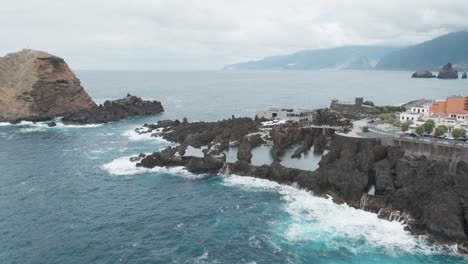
(430, 55)
(342, 58)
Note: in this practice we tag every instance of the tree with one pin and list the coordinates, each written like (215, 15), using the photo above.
(395, 122)
(458, 133)
(405, 126)
(369, 103)
(365, 129)
(420, 130)
(440, 130)
(386, 116)
(429, 125)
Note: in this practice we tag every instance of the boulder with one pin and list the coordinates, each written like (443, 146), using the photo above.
(423, 74)
(52, 124)
(244, 152)
(36, 86)
(464, 76)
(448, 72)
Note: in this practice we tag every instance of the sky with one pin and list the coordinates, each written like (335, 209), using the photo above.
(208, 34)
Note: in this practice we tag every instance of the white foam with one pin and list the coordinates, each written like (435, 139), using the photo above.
(273, 123)
(43, 126)
(319, 219)
(123, 166)
(77, 126)
(133, 135)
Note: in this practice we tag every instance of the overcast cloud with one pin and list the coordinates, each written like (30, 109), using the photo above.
(207, 34)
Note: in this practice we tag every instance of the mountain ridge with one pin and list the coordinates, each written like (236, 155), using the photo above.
(428, 55)
(340, 58)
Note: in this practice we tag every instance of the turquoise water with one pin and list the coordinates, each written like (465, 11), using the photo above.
(70, 195)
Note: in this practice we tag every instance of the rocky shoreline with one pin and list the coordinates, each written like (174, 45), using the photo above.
(414, 189)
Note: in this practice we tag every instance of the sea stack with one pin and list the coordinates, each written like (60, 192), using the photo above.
(464, 76)
(448, 72)
(423, 74)
(35, 85)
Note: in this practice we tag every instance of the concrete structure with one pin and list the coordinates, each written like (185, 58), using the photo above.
(356, 108)
(416, 112)
(286, 114)
(409, 116)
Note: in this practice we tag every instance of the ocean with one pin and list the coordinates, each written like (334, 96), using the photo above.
(69, 194)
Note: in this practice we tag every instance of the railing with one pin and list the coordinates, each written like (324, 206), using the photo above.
(445, 142)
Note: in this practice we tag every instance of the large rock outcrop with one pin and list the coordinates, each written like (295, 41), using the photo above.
(448, 72)
(35, 85)
(423, 74)
(113, 111)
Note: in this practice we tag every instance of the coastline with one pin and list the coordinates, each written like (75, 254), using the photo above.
(347, 172)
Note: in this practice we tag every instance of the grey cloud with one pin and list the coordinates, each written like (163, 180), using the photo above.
(206, 34)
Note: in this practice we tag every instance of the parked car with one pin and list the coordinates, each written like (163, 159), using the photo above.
(412, 134)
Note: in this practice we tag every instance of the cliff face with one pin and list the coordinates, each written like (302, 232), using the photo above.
(436, 198)
(35, 85)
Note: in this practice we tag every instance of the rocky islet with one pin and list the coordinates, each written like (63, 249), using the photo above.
(38, 86)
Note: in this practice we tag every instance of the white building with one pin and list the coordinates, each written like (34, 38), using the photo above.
(422, 110)
(416, 113)
(409, 116)
(292, 115)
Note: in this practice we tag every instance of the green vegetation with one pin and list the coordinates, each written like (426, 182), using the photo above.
(405, 126)
(458, 133)
(387, 109)
(429, 125)
(369, 103)
(365, 129)
(390, 118)
(420, 130)
(440, 130)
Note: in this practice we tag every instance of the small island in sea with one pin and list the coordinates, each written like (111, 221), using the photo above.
(49, 89)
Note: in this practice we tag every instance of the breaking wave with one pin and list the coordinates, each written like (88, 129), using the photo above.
(134, 136)
(28, 126)
(315, 219)
(123, 166)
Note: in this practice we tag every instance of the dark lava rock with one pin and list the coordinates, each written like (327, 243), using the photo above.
(425, 189)
(330, 118)
(52, 124)
(423, 74)
(464, 76)
(199, 134)
(244, 152)
(114, 111)
(448, 72)
(204, 165)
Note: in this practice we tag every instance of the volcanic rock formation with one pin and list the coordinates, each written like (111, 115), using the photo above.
(38, 86)
(448, 72)
(423, 74)
(429, 193)
(35, 85)
(113, 111)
